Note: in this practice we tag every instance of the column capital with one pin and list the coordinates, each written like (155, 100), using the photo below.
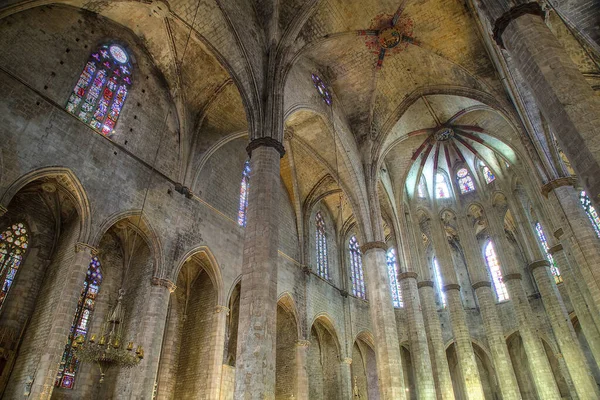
(556, 183)
(407, 275)
(347, 360)
(425, 284)
(505, 19)
(481, 284)
(3, 210)
(156, 281)
(538, 264)
(266, 141)
(80, 246)
(555, 249)
(302, 343)
(509, 277)
(373, 245)
(221, 309)
(450, 286)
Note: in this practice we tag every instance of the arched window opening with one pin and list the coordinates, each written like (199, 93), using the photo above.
(321, 241)
(356, 269)
(244, 189)
(465, 182)
(437, 277)
(13, 244)
(441, 187)
(392, 266)
(102, 88)
(553, 267)
(421, 189)
(81, 323)
(495, 271)
(322, 89)
(488, 175)
(590, 211)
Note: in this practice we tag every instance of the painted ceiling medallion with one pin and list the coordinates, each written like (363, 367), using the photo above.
(444, 134)
(388, 34)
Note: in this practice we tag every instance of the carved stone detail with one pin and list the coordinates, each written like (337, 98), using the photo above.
(516, 275)
(555, 249)
(165, 283)
(80, 246)
(373, 245)
(265, 141)
(481, 284)
(512, 14)
(538, 264)
(450, 286)
(556, 183)
(303, 343)
(425, 284)
(407, 275)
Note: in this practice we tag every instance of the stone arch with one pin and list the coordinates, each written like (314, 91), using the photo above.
(211, 266)
(288, 329)
(66, 178)
(364, 366)
(142, 226)
(325, 377)
(408, 371)
(487, 373)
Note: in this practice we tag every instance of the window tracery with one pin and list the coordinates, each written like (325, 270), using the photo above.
(392, 266)
(437, 277)
(100, 92)
(488, 175)
(321, 242)
(590, 211)
(81, 323)
(322, 89)
(465, 182)
(244, 189)
(495, 271)
(13, 244)
(421, 189)
(356, 269)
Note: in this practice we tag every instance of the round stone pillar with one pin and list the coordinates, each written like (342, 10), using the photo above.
(302, 391)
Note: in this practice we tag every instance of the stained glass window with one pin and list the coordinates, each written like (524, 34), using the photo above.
(437, 278)
(244, 188)
(321, 241)
(81, 323)
(495, 271)
(441, 187)
(488, 174)
(356, 269)
(590, 211)
(544, 242)
(392, 266)
(322, 89)
(421, 189)
(102, 88)
(465, 182)
(13, 244)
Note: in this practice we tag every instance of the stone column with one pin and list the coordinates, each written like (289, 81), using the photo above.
(543, 378)
(169, 358)
(579, 305)
(383, 322)
(346, 376)
(566, 99)
(71, 275)
(142, 378)
(302, 391)
(563, 331)
(220, 321)
(437, 350)
(464, 348)
(255, 366)
(417, 336)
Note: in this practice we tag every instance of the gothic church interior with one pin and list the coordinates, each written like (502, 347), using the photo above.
(300, 199)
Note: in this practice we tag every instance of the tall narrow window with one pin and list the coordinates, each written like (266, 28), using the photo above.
(13, 244)
(102, 88)
(465, 182)
(437, 277)
(495, 271)
(441, 187)
(392, 266)
(553, 267)
(244, 189)
(421, 189)
(356, 270)
(488, 175)
(81, 323)
(590, 211)
(321, 241)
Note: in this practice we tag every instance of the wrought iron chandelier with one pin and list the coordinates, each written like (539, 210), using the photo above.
(108, 351)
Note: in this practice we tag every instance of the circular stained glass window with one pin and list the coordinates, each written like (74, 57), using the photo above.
(118, 54)
(323, 91)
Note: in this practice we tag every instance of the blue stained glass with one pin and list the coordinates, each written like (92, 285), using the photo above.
(437, 275)
(13, 244)
(81, 321)
(244, 191)
(488, 175)
(586, 203)
(392, 266)
(465, 182)
(105, 97)
(553, 268)
(321, 244)
(356, 270)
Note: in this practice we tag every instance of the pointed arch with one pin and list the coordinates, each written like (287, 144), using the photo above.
(211, 266)
(287, 302)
